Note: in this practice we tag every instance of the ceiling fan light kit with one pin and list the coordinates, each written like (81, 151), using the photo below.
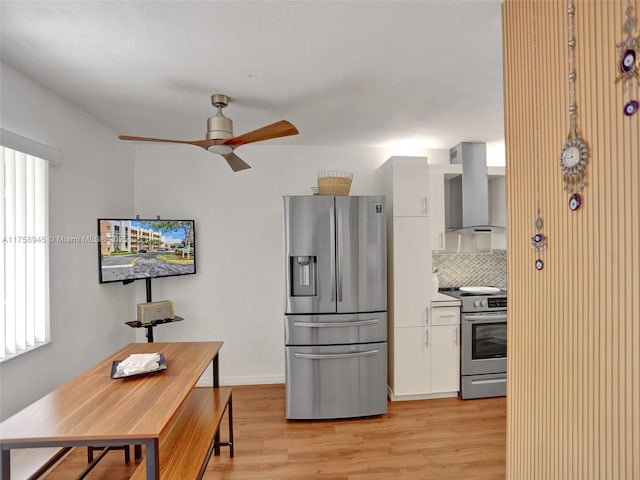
(220, 149)
(220, 139)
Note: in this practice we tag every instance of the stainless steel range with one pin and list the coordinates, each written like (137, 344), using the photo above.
(483, 340)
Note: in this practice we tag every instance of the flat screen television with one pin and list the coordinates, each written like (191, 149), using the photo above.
(135, 249)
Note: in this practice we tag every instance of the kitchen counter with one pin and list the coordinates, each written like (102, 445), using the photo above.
(442, 300)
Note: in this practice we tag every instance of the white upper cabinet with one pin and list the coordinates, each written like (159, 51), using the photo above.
(439, 177)
(411, 277)
(405, 182)
(498, 205)
(497, 196)
(437, 209)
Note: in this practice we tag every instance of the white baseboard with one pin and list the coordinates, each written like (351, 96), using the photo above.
(419, 396)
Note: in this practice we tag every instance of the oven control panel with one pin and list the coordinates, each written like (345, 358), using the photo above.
(483, 303)
(497, 302)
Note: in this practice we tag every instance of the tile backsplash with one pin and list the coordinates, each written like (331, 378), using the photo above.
(485, 269)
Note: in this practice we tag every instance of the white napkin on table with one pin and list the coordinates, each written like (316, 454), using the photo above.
(139, 363)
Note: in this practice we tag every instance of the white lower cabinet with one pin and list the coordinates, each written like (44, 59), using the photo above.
(426, 359)
(445, 355)
(412, 368)
(445, 358)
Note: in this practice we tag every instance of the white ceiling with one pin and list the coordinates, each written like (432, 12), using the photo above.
(344, 72)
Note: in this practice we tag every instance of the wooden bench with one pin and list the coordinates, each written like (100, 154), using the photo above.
(189, 440)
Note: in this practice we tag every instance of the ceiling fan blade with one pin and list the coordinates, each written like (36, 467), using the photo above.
(282, 128)
(198, 143)
(235, 162)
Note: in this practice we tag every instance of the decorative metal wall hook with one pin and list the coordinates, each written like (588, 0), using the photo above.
(575, 153)
(539, 240)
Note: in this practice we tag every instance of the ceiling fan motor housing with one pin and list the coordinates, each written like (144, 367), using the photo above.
(219, 127)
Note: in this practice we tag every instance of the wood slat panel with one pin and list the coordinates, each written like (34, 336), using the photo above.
(574, 328)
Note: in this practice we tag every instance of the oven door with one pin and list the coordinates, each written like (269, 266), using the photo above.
(484, 343)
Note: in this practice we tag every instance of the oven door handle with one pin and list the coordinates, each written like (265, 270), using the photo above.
(484, 318)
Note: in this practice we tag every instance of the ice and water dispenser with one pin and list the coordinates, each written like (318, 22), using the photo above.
(303, 275)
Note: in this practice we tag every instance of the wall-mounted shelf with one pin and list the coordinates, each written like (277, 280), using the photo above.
(154, 323)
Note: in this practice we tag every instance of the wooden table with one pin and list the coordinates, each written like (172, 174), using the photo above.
(95, 410)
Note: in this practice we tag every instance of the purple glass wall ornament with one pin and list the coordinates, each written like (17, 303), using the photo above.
(629, 62)
(574, 202)
(630, 107)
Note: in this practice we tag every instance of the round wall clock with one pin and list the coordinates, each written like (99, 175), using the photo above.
(573, 160)
(570, 156)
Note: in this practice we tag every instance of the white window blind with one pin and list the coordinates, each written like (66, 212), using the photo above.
(24, 258)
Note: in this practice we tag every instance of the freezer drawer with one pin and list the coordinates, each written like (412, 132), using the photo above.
(483, 386)
(339, 381)
(335, 329)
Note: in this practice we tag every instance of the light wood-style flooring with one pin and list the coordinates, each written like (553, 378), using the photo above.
(444, 439)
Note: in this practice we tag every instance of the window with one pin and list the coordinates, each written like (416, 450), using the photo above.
(24, 256)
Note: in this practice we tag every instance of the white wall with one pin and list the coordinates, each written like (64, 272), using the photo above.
(94, 179)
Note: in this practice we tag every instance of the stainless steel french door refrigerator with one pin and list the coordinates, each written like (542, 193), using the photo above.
(336, 306)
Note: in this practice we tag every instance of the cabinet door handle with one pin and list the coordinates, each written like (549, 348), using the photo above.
(455, 336)
(426, 338)
(441, 240)
(426, 205)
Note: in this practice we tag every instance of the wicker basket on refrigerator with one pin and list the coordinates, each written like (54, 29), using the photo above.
(334, 182)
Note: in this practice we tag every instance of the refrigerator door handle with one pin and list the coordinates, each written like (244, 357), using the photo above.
(358, 323)
(327, 356)
(340, 252)
(332, 232)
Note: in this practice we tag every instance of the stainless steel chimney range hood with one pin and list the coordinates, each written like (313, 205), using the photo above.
(469, 193)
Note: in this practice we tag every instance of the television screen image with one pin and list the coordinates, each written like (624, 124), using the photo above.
(134, 249)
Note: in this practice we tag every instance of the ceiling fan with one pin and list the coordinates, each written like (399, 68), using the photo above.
(220, 137)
